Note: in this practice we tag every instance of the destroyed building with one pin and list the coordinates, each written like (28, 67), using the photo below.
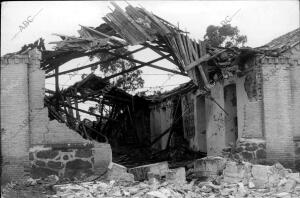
(256, 109)
(242, 102)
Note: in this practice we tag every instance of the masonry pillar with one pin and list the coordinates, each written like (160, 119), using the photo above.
(14, 116)
(277, 97)
(37, 113)
(215, 118)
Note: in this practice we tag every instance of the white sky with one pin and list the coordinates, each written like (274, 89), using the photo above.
(261, 21)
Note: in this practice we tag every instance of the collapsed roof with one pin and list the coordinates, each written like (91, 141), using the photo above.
(137, 26)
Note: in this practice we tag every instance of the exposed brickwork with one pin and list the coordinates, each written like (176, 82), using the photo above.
(253, 150)
(250, 109)
(280, 100)
(25, 123)
(14, 116)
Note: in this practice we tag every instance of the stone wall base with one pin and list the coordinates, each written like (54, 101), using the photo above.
(65, 160)
(252, 150)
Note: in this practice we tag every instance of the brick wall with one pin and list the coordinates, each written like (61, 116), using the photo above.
(294, 55)
(43, 131)
(249, 109)
(24, 120)
(14, 116)
(250, 105)
(280, 100)
(38, 114)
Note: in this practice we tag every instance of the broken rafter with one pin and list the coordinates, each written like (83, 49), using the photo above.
(204, 58)
(136, 67)
(159, 52)
(151, 65)
(97, 63)
(87, 112)
(55, 61)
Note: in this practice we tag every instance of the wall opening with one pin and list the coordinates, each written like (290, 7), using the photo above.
(201, 123)
(230, 106)
(177, 129)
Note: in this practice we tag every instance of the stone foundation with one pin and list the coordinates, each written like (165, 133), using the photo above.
(252, 150)
(63, 160)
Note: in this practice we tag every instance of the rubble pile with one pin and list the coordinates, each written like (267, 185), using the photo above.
(209, 177)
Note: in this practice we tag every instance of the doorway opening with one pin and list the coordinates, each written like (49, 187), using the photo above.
(201, 123)
(231, 124)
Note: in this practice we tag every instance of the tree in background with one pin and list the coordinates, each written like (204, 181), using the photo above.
(224, 36)
(129, 81)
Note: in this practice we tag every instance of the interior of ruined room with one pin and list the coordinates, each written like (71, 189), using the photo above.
(220, 105)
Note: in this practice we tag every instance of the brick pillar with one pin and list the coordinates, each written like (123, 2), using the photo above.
(14, 116)
(38, 114)
(277, 96)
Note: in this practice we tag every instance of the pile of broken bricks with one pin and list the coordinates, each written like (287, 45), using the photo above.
(209, 177)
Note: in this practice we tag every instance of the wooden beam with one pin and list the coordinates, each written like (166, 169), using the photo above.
(159, 52)
(87, 112)
(136, 67)
(151, 65)
(56, 61)
(168, 70)
(94, 64)
(76, 106)
(204, 58)
(56, 88)
(56, 81)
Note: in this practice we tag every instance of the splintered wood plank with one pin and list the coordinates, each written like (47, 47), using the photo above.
(138, 27)
(195, 44)
(186, 47)
(189, 58)
(114, 26)
(164, 29)
(134, 12)
(191, 73)
(138, 17)
(204, 58)
(180, 56)
(124, 32)
(175, 52)
(192, 50)
(202, 48)
(126, 25)
(182, 51)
